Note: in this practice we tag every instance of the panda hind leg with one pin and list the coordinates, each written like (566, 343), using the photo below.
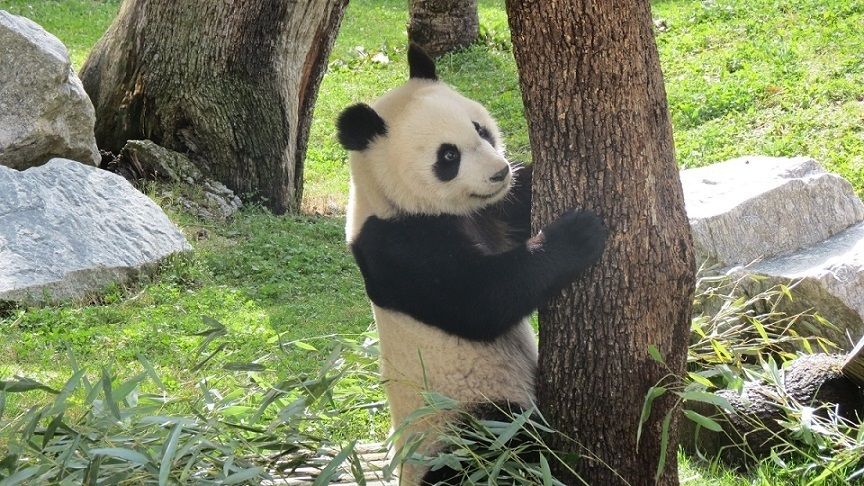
(502, 411)
(446, 476)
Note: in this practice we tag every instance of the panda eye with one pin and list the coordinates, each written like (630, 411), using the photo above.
(447, 165)
(481, 130)
(484, 133)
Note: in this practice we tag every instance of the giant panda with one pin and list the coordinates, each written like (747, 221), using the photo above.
(446, 256)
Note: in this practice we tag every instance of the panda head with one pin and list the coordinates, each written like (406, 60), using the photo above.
(423, 148)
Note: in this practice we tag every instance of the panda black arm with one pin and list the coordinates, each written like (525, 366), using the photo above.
(426, 268)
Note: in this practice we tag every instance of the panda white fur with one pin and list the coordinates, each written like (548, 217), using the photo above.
(445, 253)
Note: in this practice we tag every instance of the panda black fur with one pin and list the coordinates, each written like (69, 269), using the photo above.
(445, 254)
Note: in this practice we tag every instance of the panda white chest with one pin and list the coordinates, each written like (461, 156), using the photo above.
(416, 356)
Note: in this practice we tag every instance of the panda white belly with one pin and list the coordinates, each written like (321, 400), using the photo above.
(467, 371)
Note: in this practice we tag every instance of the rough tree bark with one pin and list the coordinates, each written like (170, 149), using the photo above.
(231, 83)
(441, 26)
(602, 140)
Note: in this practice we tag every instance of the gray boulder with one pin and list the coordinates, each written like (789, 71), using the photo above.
(756, 207)
(67, 230)
(44, 111)
(827, 278)
(784, 221)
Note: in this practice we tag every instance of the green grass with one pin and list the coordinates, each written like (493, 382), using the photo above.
(78, 23)
(261, 276)
(743, 77)
(770, 77)
(763, 76)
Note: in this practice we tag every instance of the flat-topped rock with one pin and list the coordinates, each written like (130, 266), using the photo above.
(44, 111)
(757, 207)
(68, 230)
(828, 278)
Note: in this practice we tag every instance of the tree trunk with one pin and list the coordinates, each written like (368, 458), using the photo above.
(441, 26)
(602, 140)
(230, 83)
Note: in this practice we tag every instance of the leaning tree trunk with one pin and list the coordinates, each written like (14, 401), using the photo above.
(602, 140)
(231, 83)
(441, 26)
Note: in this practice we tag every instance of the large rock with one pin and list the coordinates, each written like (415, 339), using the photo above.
(67, 230)
(44, 111)
(828, 277)
(799, 224)
(755, 207)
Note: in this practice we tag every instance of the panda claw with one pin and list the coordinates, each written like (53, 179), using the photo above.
(579, 232)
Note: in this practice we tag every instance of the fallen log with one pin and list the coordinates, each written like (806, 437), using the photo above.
(755, 427)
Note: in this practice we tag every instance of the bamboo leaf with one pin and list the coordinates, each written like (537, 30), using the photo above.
(129, 386)
(707, 397)
(91, 474)
(51, 429)
(244, 367)
(151, 372)
(704, 421)
(496, 469)
(664, 446)
(9, 462)
(216, 327)
(510, 431)
(23, 384)
(168, 455)
(653, 393)
(760, 329)
(21, 476)
(328, 472)
(68, 388)
(655, 354)
(697, 378)
(127, 455)
(547, 472)
(245, 475)
(210, 356)
(305, 346)
(109, 394)
(776, 459)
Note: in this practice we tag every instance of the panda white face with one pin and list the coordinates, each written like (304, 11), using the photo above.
(423, 148)
(441, 154)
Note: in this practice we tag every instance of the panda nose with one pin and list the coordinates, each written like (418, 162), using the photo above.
(500, 175)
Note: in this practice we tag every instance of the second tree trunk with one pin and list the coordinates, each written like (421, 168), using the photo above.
(232, 84)
(441, 26)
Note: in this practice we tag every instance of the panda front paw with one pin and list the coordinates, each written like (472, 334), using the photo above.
(580, 236)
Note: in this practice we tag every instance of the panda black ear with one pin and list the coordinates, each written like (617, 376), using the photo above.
(358, 125)
(420, 65)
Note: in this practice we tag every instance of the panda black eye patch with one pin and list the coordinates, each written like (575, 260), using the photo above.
(484, 133)
(447, 166)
